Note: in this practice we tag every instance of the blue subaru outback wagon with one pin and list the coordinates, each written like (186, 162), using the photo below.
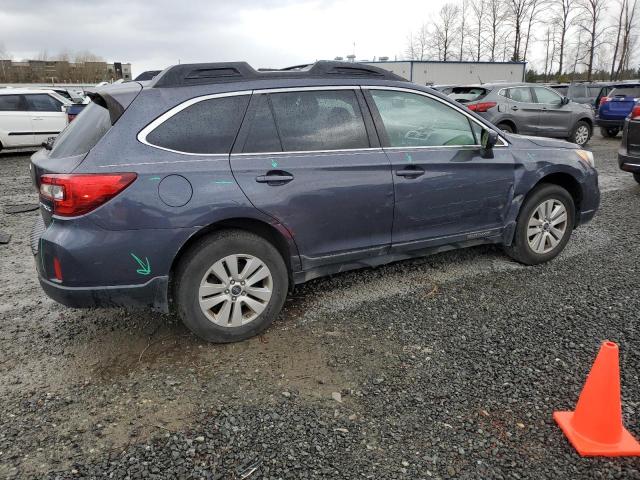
(214, 188)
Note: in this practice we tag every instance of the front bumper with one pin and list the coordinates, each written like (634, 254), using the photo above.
(153, 294)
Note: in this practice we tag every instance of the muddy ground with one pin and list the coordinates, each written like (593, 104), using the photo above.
(443, 367)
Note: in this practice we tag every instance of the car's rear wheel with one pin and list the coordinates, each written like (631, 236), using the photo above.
(609, 132)
(636, 176)
(544, 225)
(230, 286)
(581, 133)
(506, 127)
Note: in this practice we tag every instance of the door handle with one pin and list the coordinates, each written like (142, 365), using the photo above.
(275, 177)
(410, 172)
(514, 108)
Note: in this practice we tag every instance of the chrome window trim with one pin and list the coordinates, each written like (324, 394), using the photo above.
(307, 89)
(309, 152)
(444, 102)
(142, 135)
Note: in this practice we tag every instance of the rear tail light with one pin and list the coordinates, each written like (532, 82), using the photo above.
(70, 117)
(635, 113)
(481, 107)
(57, 269)
(73, 195)
(604, 100)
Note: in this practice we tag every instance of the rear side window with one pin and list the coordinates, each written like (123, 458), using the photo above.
(578, 90)
(262, 135)
(83, 133)
(521, 94)
(594, 91)
(319, 120)
(43, 103)
(206, 127)
(10, 103)
(625, 92)
(468, 94)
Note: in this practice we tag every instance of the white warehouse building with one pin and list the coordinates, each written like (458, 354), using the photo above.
(454, 73)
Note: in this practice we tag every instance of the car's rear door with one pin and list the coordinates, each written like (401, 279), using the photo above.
(445, 190)
(555, 118)
(523, 109)
(47, 117)
(309, 158)
(15, 122)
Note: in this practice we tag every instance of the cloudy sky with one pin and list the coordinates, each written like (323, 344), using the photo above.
(266, 33)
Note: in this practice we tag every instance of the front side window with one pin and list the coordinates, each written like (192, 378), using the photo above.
(546, 96)
(43, 103)
(413, 120)
(521, 94)
(206, 127)
(10, 103)
(319, 120)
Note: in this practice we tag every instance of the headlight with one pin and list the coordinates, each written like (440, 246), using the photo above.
(587, 157)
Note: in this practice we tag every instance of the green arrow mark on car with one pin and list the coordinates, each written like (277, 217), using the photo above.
(145, 267)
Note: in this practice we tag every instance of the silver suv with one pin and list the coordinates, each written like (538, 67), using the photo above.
(528, 109)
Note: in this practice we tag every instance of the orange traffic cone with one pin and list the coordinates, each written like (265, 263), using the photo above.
(595, 427)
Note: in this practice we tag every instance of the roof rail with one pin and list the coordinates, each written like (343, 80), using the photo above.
(211, 73)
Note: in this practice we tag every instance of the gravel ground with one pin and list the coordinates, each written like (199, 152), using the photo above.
(443, 367)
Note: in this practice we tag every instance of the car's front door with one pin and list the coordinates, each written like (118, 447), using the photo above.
(524, 110)
(309, 158)
(47, 117)
(444, 189)
(555, 118)
(15, 122)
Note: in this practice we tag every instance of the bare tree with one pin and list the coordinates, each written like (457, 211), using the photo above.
(462, 29)
(591, 23)
(478, 8)
(533, 10)
(418, 44)
(563, 20)
(517, 11)
(445, 30)
(628, 26)
(496, 16)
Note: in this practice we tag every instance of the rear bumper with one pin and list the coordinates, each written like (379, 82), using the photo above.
(153, 294)
(629, 163)
(606, 123)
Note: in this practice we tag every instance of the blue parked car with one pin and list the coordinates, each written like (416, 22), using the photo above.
(616, 107)
(215, 188)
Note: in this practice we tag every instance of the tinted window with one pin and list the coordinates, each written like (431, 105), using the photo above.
(319, 120)
(594, 91)
(468, 94)
(43, 103)
(83, 133)
(578, 91)
(549, 97)
(521, 94)
(209, 126)
(10, 103)
(413, 120)
(625, 92)
(262, 135)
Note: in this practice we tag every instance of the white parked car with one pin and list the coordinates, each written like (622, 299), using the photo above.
(29, 117)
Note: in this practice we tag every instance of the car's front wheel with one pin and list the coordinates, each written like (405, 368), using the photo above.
(230, 286)
(506, 127)
(581, 133)
(544, 225)
(609, 132)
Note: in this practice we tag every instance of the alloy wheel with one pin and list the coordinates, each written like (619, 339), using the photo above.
(582, 135)
(547, 226)
(235, 290)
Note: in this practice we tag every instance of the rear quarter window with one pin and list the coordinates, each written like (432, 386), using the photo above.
(468, 94)
(206, 127)
(11, 103)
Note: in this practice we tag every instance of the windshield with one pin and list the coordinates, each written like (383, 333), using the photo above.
(83, 133)
(467, 94)
(625, 92)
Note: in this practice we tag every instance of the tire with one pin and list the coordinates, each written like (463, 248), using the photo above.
(636, 176)
(231, 318)
(609, 132)
(521, 248)
(505, 127)
(581, 133)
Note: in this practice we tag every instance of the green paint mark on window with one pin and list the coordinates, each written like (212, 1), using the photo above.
(223, 182)
(154, 178)
(145, 267)
(274, 164)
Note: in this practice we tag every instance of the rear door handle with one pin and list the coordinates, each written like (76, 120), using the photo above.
(275, 177)
(514, 108)
(413, 172)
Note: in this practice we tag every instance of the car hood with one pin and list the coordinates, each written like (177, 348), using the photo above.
(522, 140)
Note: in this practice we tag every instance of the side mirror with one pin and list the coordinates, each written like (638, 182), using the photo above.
(488, 140)
(564, 100)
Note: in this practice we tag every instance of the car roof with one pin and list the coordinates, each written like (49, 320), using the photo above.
(22, 91)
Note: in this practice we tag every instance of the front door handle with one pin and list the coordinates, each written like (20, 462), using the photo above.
(410, 172)
(275, 177)
(514, 108)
